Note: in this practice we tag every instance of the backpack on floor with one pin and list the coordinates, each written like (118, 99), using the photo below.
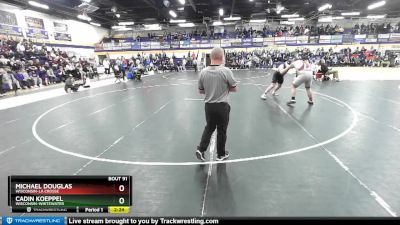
(130, 75)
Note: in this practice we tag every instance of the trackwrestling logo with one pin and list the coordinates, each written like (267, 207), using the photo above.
(9, 220)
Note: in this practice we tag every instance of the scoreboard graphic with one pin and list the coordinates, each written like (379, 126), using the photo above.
(74, 194)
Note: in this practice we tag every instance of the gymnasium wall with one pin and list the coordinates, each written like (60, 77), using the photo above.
(180, 53)
(82, 34)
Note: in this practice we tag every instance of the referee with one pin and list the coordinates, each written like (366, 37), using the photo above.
(216, 81)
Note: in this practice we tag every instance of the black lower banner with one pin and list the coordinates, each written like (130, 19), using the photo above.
(205, 220)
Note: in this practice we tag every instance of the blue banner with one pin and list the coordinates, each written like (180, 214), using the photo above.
(8, 18)
(165, 45)
(236, 42)
(360, 38)
(10, 30)
(33, 22)
(136, 45)
(257, 44)
(62, 37)
(383, 37)
(313, 39)
(130, 44)
(35, 33)
(347, 39)
(174, 44)
(145, 45)
(9, 220)
(185, 44)
(395, 37)
(247, 42)
(336, 39)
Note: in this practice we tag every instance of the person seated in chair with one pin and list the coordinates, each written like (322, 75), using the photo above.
(326, 71)
(139, 71)
(71, 84)
(385, 62)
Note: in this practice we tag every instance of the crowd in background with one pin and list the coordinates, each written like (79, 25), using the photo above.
(24, 64)
(266, 31)
(268, 58)
(290, 31)
(374, 28)
(136, 66)
(279, 31)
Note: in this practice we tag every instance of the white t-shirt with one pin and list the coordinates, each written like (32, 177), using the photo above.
(302, 67)
(106, 64)
(20, 47)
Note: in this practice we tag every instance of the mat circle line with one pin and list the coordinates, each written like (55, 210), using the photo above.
(246, 159)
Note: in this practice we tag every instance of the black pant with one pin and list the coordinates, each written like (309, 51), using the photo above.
(123, 74)
(217, 116)
(66, 87)
(1, 84)
(107, 70)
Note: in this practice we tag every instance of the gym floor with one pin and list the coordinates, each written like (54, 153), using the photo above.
(336, 158)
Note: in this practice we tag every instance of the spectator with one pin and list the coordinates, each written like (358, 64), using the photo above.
(9, 80)
(326, 71)
(106, 65)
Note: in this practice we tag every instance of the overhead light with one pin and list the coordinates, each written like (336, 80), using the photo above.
(84, 17)
(166, 3)
(221, 12)
(118, 27)
(39, 5)
(232, 18)
(118, 15)
(172, 13)
(177, 21)
(126, 23)
(376, 5)
(326, 19)
(217, 23)
(152, 27)
(181, 8)
(324, 7)
(351, 14)
(229, 23)
(86, 1)
(296, 19)
(186, 24)
(279, 9)
(95, 24)
(251, 0)
(290, 15)
(125, 29)
(258, 21)
(287, 22)
(376, 16)
(182, 2)
(337, 17)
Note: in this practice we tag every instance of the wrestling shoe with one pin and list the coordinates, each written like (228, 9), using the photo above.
(224, 157)
(291, 102)
(200, 155)
(263, 96)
